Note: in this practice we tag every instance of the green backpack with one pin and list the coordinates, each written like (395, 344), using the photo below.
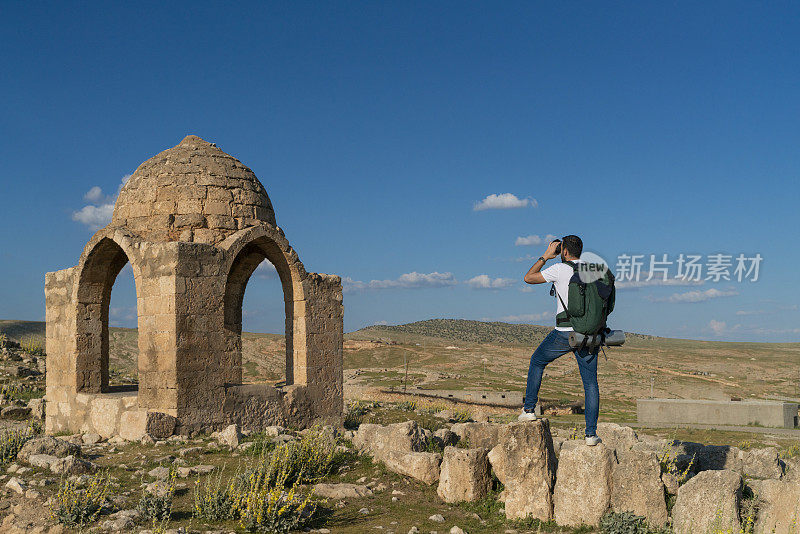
(589, 303)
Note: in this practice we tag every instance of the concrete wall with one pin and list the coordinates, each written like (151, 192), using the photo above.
(708, 412)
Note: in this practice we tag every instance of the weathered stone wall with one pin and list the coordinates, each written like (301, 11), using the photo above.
(60, 348)
(324, 343)
(622, 476)
(194, 223)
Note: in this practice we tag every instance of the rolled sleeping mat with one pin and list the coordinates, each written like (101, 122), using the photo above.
(614, 338)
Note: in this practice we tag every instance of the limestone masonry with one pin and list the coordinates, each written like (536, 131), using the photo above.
(194, 223)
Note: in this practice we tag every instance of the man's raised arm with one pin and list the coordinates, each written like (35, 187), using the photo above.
(533, 275)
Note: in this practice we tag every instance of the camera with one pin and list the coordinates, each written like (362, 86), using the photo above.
(558, 248)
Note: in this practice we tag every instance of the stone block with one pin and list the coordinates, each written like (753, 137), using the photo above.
(584, 476)
(464, 475)
(524, 462)
(708, 502)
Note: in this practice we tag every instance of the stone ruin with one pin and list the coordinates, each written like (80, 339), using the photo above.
(194, 223)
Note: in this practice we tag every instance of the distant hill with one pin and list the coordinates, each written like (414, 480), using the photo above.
(465, 330)
(468, 331)
(18, 330)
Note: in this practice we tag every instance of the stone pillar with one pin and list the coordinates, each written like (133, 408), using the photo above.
(322, 366)
(203, 364)
(158, 332)
(60, 348)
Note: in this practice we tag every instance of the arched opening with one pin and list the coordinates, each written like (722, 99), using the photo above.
(255, 259)
(264, 327)
(100, 270)
(123, 333)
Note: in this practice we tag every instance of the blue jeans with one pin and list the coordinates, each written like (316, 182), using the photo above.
(555, 345)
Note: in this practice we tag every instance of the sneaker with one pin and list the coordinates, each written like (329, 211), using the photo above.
(527, 416)
(591, 441)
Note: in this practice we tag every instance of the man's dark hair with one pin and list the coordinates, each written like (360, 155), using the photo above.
(573, 245)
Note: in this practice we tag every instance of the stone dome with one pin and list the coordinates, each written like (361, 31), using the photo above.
(192, 192)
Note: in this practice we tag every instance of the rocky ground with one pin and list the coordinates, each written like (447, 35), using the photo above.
(400, 467)
(412, 468)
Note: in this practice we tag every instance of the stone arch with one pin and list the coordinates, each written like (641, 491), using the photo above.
(101, 262)
(245, 250)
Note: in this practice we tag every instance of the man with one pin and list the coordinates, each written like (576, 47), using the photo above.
(556, 343)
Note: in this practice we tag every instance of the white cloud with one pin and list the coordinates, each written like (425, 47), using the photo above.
(97, 213)
(412, 280)
(94, 195)
(718, 327)
(657, 280)
(483, 281)
(266, 270)
(504, 201)
(697, 295)
(751, 312)
(94, 217)
(123, 316)
(533, 239)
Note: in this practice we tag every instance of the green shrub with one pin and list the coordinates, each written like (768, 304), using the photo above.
(157, 506)
(668, 461)
(32, 346)
(355, 414)
(77, 507)
(259, 496)
(627, 523)
(304, 460)
(262, 444)
(791, 452)
(262, 508)
(461, 416)
(213, 500)
(407, 406)
(11, 441)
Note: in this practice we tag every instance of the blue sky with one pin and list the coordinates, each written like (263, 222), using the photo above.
(378, 127)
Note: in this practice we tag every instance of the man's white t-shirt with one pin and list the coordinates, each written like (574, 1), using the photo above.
(560, 275)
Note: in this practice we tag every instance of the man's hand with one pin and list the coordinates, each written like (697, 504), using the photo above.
(550, 253)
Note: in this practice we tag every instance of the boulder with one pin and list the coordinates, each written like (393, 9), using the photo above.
(341, 491)
(709, 502)
(424, 466)
(71, 465)
(379, 440)
(617, 437)
(715, 457)
(637, 486)
(122, 521)
(230, 436)
(583, 484)
(43, 461)
(37, 408)
(47, 445)
(762, 463)
(464, 475)
(478, 434)
(91, 438)
(160, 473)
(160, 425)
(524, 461)
(444, 437)
(15, 412)
(16, 484)
(779, 510)
(671, 484)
